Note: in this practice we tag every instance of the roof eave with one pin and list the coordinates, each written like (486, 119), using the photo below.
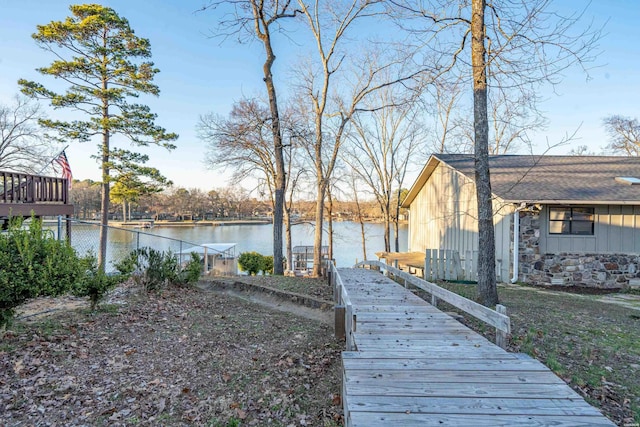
(424, 175)
(576, 202)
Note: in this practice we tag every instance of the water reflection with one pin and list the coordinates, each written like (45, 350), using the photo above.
(347, 240)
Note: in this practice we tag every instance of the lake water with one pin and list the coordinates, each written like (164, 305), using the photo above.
(347, 244)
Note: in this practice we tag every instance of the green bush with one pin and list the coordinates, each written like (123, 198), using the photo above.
(155, 270)
(191, 272)
(32, 264)
(96, 283)
(253, 262)
(267, 265)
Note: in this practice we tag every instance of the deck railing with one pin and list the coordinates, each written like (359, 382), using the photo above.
(23, 194)
(25, 188)
(497, 318)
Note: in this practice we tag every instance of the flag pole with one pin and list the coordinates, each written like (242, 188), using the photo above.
(52, 159)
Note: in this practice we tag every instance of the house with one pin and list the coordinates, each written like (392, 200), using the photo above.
(577, 218)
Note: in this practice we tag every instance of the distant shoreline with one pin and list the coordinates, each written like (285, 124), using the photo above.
(154, 224)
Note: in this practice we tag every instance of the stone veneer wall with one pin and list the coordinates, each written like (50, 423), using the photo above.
(569, 269)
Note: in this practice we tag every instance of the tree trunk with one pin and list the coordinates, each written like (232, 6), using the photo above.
(104, 221)
(387, 229)
(396, 226)
(317, 237)
(361, 222)
(330, 224)
(287, 230)
(280, 182)
(487, 290)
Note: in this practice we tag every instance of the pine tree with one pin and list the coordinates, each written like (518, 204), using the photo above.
(105, 65)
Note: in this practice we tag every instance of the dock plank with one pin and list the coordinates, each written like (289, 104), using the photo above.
(369, 419)
(471, 405)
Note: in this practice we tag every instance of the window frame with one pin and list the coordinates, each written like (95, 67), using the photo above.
(570, 221)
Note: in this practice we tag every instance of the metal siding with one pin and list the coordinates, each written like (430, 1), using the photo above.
(601, 228)
(544, 240)
(628, 234)
(616, 230)
(636, 229)
(443, 216)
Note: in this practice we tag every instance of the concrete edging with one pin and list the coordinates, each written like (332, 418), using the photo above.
(293, 297)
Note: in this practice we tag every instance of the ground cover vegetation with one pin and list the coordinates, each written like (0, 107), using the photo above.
(592, 345)
(174, 357)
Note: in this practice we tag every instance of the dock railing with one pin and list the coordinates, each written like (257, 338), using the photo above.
(345, 319)
(496, 318)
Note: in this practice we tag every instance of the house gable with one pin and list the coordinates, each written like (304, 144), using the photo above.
(443, 214)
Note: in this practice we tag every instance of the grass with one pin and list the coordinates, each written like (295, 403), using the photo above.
(593, 345)
(318, 288)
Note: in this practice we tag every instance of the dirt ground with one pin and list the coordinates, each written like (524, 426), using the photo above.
(186, 357)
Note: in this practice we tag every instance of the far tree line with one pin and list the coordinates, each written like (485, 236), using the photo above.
(228, 203)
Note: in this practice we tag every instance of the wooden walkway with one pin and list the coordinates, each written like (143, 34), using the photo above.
(416, 366)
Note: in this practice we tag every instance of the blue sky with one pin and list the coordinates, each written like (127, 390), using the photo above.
(200, 74)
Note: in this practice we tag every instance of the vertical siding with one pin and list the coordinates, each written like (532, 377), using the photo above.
(616, 230)
(444, 216)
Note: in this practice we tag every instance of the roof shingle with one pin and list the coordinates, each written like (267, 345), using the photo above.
(572, 179)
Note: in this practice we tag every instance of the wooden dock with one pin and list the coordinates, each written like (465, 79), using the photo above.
(414, 365)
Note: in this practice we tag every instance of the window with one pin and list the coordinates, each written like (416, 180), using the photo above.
(571, 220)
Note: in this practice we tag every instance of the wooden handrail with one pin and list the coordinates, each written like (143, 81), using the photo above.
(343, 301)
(26, 188)
(496, 318)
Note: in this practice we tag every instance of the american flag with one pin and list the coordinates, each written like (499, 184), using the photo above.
(66, 169)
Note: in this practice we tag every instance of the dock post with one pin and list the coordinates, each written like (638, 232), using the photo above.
(501, 336)
(339, 320)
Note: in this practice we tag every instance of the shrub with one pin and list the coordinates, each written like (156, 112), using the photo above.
(155, 270)
(191, 271)
(96, 283)
(267, 265)
(32, 264)
(251, 262)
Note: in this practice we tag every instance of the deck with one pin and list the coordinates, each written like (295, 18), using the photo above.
(414, 365)
(24, 194)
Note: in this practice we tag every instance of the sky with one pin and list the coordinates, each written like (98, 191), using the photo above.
(201, 74)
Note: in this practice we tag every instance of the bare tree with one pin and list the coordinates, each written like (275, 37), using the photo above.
(624, 134)
(442, 102)
(383, 145)
(259, 18)
(333, 110)
(295, 173)
(581, 150)
(241, 142)
(22, 146)
(353, 179)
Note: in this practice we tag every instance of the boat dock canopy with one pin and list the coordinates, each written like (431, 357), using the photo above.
(225, 249)
(220, 259)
